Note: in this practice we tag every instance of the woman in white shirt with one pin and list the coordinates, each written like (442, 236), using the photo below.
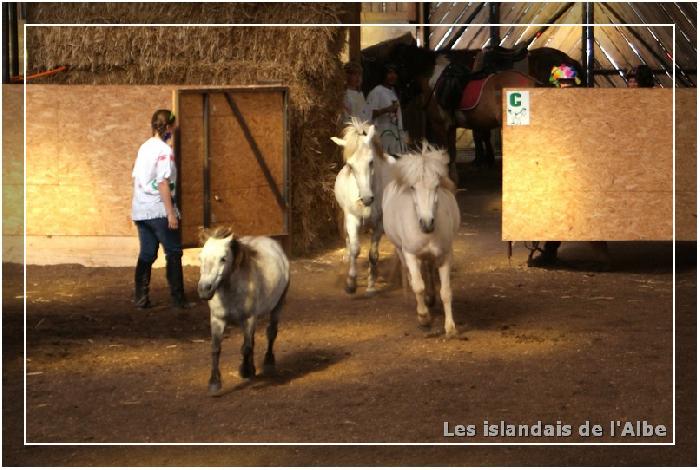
(383, 104)
(154, 211)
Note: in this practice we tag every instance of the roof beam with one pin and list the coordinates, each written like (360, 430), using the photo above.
(551, 21)
(682, 77)
(461, 30)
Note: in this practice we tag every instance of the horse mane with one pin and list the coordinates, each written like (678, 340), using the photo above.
(352, 135)
(429, 162)
(216, 232)
(242, 254)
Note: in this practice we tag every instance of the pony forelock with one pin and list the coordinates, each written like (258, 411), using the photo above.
(428, 163)
(353, 134)
(216, 233)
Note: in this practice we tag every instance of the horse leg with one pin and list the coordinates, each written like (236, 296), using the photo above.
(374, 255)
(603, 255)
(404, 272)
(269, 362)
(217, 333)
(352, 227)
(452, 150)
(418, 286)
(247, 369)
(490, 156)
(428, 273)
(478, 150)
(446, 296)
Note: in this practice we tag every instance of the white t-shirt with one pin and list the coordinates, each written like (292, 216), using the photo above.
(389, 125)
(155, 162)
(355, 106)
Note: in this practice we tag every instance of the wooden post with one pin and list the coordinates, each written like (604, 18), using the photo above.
(14, 38)
(353, 16)
(423, 18)
(5, 44)
(587, 44)
(495, 19)
(206, 173)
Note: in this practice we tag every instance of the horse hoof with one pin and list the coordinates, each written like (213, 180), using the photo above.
(432, 334)
(451, 334)
(247, 372)
(424, 320)
(350, 289)
(214, 388)
(269, 369)
(371, 290)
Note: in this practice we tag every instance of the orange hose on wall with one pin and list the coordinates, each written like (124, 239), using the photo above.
(46, 73)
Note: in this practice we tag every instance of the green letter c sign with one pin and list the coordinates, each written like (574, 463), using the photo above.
(515, 99)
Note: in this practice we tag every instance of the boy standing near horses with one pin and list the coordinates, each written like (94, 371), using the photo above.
(383, 103)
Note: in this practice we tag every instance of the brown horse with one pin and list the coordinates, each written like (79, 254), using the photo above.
(486, 115)
(419, 69)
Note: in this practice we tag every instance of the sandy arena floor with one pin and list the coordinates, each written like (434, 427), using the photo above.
(571, 344)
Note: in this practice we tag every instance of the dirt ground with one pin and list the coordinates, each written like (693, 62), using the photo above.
(570, 345)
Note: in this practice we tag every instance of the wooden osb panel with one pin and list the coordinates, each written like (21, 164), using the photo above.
(12, 159)
(94, 251)
(82, 141)
(240, 195)
(12, 173)
(594, 164)
(191, 160)
(686, 164)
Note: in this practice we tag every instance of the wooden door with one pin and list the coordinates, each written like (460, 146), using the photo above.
(233, 159)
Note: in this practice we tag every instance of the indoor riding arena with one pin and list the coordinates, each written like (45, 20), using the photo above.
(561, 302)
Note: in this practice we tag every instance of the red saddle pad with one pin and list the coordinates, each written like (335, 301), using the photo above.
(472, 93)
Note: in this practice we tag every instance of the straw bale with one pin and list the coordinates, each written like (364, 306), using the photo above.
(306, 59)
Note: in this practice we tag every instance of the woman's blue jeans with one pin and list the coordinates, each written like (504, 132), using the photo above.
(155, 231)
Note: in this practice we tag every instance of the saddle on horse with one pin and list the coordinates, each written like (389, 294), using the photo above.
(497, 59)
(460, 88)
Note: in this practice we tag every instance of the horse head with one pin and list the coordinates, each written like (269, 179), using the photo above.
(360, 148)
(423, 174)
(215, 260)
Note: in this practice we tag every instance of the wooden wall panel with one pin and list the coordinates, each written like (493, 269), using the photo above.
(81, 145)
(191, 155)
(686, 164)
(594, 164)
(12, 173)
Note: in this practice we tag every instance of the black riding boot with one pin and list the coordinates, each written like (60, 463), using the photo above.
(173, 270)
(142, 278)
(548, 257)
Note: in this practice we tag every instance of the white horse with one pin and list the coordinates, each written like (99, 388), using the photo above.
(242, 279)
(358, 189)
(421, 218)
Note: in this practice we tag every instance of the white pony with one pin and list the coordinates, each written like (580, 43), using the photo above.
(421, 218)
(358, 189)
(242, 279)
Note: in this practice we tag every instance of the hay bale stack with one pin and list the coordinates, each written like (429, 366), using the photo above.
(304, 59)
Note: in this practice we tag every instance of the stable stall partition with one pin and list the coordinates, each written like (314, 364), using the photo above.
(597, 164)
(81, 143)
